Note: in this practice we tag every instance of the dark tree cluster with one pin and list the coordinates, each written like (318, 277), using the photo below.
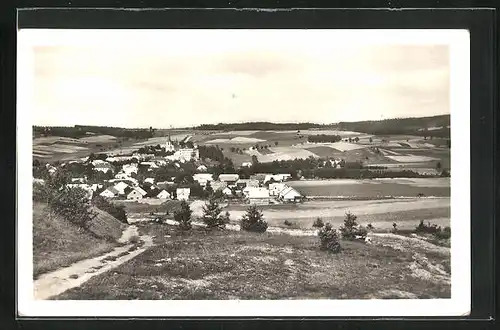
(324, 138)
(257, 126)
(79, 131)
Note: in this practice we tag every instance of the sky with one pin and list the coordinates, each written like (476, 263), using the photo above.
(180, 78)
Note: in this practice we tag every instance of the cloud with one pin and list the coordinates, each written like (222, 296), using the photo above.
(135, 87)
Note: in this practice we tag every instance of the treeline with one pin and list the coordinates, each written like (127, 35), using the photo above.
(401, 126)
(312, 168)
(324, 138)
(258, 126)
(79, 131)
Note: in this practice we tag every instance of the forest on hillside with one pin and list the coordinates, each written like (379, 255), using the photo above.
(407, 126)
(79, 131)
(257, 126)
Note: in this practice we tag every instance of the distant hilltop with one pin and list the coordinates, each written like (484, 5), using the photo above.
(438, 126)
(435, 125)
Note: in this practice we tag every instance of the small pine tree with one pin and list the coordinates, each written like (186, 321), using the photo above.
(212, 215)
(253, 220)
(318, 223)
(348, 229)
(329, 240)
(209, 188)
(226, 217)
(183, 216)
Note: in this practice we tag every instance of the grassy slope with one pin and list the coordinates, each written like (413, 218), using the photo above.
(58, 243)
(235, 265)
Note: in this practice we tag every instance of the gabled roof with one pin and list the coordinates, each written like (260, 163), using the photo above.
(229, 177)
(120, 185)
(113, 190)
(203, 176)
(287, 190)
(163, 192)
(141, 191)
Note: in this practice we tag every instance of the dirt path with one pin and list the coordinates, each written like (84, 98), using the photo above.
(54, 283)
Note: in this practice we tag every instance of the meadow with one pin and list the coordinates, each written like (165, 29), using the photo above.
(221, 265)
(439, 187)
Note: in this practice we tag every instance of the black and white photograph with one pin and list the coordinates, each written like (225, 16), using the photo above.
(243, 172)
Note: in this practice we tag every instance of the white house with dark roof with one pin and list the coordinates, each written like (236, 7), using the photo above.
(136, 193)
(120, 187)
(163, 195)
(110, 192)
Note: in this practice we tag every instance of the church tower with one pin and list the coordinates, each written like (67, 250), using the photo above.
(169, 146)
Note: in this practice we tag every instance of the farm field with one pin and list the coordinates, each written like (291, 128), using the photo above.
(381, 213)
(439, 187)
(220, 265)
(283, 145)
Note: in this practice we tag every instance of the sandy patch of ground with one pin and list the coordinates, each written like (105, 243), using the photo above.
(412, 158)
(99, 138)
(345, 146)
(240, 133)
(237, 140)
(308, 183)
(54, 283)
(418, 182)
(407, 244)
(285, 153)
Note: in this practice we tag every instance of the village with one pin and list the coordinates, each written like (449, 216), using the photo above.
(118, 179)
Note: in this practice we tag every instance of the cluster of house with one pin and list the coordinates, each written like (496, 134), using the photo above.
(259, 189)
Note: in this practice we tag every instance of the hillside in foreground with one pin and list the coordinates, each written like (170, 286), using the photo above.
(59, 243)
(240, 265)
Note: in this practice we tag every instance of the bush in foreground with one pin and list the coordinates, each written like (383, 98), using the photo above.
(329, 239)
(253, 220)
(183, 216)
(318, 223)
(350, 230)
(117, 211)
(433, 229)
